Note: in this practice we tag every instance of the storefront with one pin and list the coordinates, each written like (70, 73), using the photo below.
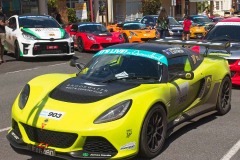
(11, 7)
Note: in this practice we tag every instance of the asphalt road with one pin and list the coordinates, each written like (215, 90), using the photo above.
(212, 138)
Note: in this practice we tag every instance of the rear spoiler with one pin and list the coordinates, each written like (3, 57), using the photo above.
(207, 45)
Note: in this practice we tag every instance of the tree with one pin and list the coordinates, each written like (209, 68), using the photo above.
(150, 7)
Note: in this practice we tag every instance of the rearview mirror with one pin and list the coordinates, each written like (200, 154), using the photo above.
(75, 63)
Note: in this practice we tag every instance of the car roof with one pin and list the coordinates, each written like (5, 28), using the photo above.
(152, 47)
(232, 19)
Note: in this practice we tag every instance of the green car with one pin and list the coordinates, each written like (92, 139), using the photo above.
(125, 102)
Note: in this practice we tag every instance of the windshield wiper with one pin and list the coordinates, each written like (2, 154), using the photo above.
(131, 77)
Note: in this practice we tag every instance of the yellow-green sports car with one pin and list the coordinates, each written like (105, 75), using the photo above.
(125, 102)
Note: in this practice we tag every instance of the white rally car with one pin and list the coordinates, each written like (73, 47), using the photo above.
(37, 36)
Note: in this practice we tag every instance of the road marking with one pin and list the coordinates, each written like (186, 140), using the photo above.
(5, 129)
(35, 68)
(232, 151)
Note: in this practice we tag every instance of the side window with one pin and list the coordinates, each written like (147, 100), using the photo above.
(12, 23)
(147, 21)
(178, 64)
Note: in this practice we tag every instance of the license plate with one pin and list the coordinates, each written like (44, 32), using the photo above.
(45, 151)
(52, 47)
(109, 39)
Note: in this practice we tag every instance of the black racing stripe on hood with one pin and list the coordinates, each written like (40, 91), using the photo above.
(77, 90)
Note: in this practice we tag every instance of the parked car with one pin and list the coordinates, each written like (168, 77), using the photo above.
(216, 19)
(175, 29)
(124, 102)
(202, 20)
(196, 30)
(224, 31)
(37, 36)
(134, 31)
(91, 36)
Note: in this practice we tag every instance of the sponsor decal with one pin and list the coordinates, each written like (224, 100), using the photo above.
(86, 88)
(51, 114)
(128, 146)
(171, 51)
(42, 145)
(195, 58)
(92, 84)
(86, 154)
(129, 133)
(132, 52)
(121, 75)
(14, 135)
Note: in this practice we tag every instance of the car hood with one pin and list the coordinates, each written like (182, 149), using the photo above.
(234, 51)
(45, 33)
(77, 90)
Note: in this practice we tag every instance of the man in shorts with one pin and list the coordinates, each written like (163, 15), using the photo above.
(2, 35)
(186, 28)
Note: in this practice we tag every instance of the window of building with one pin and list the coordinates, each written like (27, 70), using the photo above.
(217, 5)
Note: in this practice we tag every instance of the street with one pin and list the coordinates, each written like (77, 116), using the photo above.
(212, 138)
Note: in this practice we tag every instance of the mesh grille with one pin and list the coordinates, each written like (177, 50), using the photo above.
(98, 145)
(16, 128)
(52, 138)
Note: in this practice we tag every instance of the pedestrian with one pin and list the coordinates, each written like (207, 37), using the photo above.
(232, 10)
(2, 34)
(206, 12)
(186, 28)
(58, 17)
(162, 24)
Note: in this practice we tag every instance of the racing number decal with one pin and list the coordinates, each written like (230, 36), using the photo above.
(51, 114)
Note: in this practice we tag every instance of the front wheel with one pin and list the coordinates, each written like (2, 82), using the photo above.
(153, 132)
(80, 45)
(224, 96)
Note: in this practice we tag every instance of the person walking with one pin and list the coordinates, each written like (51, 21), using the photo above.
(162, 23)
(186, 28)
(2, 35)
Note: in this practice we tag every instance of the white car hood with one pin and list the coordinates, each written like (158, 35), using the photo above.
(46, 33)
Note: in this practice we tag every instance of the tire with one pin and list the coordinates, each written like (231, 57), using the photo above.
(17, 51)
(125, 38)
(152, 139)
(80, 45)
(224, 96)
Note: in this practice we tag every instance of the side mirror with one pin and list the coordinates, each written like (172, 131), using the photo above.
(185, 75)
(75, 63)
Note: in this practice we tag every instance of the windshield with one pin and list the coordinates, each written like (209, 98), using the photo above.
(118, 67)
(38, 22)
(92, 28)
(172, 21)
(134, 26)
(224, 31)
(201, 19)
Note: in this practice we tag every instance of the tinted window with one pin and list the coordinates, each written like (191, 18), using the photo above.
(224, 32)
(38, 22)
(92, 28)
(148, 20)
(134, 26)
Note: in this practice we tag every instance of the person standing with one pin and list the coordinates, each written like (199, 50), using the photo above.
(206, 12)
(186, 28)
(2, 34)
(162, 23)
(232, 10)
(58, 17)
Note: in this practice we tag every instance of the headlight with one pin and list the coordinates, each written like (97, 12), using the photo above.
(91, 37)
(239, 62)
(23, 98)
(114, 113)
(132, 33)
(66, 35)
(29, 36)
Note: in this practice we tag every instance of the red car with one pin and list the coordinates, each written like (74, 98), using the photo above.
(91, 36)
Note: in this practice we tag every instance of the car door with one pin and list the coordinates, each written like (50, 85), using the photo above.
(11, 34)
(183, 92)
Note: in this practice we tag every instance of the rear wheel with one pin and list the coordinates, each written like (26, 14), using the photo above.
(153, 132)
(80, 45)
(224, 96)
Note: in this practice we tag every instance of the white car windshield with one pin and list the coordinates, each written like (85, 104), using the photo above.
(38, 22)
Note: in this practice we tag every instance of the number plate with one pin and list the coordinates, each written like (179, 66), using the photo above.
(46, 151)
(52, 47)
